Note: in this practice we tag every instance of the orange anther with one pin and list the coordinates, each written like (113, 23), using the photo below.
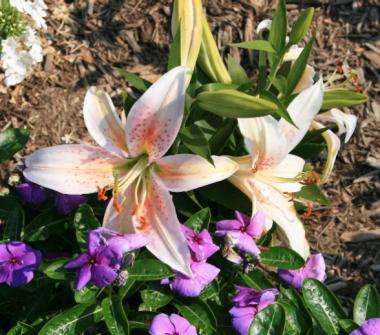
(309, 210)
(116, 204)
(339, 67)
(315, 177)
(102, 193)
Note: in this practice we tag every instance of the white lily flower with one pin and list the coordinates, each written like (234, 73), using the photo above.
(35, 8)
(270, 171)
(264, 25)
(131, 159)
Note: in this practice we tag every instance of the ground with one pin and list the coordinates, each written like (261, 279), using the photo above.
(85, 39)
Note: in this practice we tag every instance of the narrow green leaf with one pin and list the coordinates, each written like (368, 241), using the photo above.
(200, 220)
(195, 140)
(237, 72)
(348, 325)
(114, 316)
(277, 35)
(149, 269)
(299, 67)
(220, 139)
(261, 45)
(282, 258)
(338, 98)
(234, 104)
(84, 221)
(269, 321)
(256, 279)
(55, 270)
(323, 305)
(14, 222)
(367, 304)
(175, 51)
(11, 141)
(295, 322)
(137, 82)
(73, 321)
(156, 296)
(281, 109)
(301, 26)
(87, 295)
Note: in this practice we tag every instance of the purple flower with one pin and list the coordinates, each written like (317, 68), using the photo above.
(369, 327)
(247, 303)
(66, 203)
(172, 324)
(101, 263)
(200, 244)
(17, 263)
(243, 231)
(32, 193)
(186, 286)
(315, 267)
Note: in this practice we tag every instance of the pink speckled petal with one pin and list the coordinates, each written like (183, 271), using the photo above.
(71, 168)
(156, 218)
(103, 123)
(155, 119)
(185, 172)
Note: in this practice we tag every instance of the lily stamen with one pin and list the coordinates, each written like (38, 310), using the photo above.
(102, 193)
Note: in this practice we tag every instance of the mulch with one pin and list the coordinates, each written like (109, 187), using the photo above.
(85, 39)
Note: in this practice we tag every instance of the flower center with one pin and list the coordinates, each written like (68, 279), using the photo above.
(14, 260)
(243, 229)
(92, 261)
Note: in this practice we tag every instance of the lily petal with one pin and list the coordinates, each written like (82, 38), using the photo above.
(306, 81)
(278, 208)
(155, 119)
(156, 218)
(185, 172)
(346, 122)
(71, 168)
(103, 123)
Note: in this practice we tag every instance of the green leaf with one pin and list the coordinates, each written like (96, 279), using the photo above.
(299, 67)
(256, 279)
(277, 35)
(220, 139)
(198, 313)
(87, 295)
(213, 87)
(234, 104)
(367, 304)
(11, 141)
(156, 296)
(323, 305)
(140, 320)
(261, 45)
(269, 321)
(200, 220)
(149, 269)
(73, 321)
(282, 258)
(295, 321)
(195, 140)
(281, 109)
(14, 219)
(84, 221)
(44, 225)
(137, 82)
(348, 325)
(312, 193)
(301, 26)
(175, 51)
(55, 270)
(114, 316)
(237, 73)
(338, 98)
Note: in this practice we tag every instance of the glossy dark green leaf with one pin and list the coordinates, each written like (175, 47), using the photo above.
(87, 295)
(256, 279)
(309, 150)
(137, 82)
(200, 220)
(198, 313)
(348, 325)
(55, 270)
(269, 321)
(261, 45)
(338, 98)
(237, 72)
(220, 139)
(140, 320)
(195, 140)
(73, 321)
(282, 258)
(367, 304)
(11, 141)
(114, 316)
(295, 323)
(156, 296)
(84, 221)
(312, 193)
(299, 67)
(234, 104)
(14, 220)
(323, 305)
(277, 36)
(301, 26)
(149, 269)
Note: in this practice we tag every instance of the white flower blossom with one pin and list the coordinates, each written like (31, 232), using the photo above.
(35, 8)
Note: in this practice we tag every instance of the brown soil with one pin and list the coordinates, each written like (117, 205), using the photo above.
(85, 39)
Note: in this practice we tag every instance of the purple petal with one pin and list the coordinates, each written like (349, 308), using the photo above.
(315, 268)
(32, 193)
(127, 243)
(102, 275)
(182, 326)
(17, 249)
(187, 231)
(186, 286)
(294, 278)
(66, 203)
(225, 226)
(83, 276)
(78, 262)
(247, 244)
(256, 226)
(242, 318)
(205, 273)
(5, 271)
(369, 327)
(4, 253)
(20, 277)
(268, 297)
(31, 259)
(161, 325)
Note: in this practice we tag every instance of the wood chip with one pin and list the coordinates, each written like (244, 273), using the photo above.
(360, 236)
